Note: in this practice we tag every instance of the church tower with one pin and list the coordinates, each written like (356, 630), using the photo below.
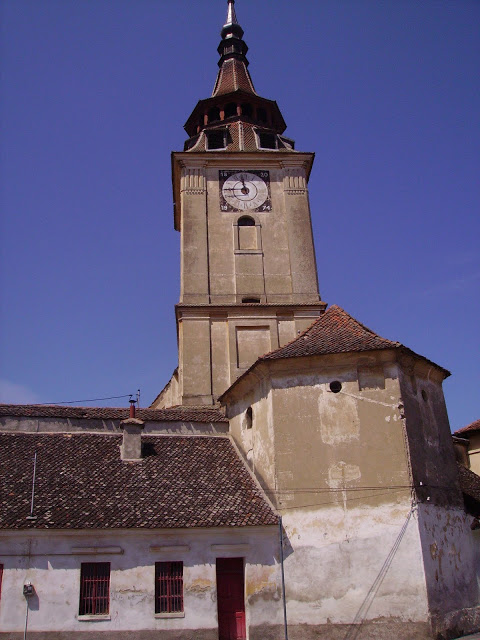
(248, 273)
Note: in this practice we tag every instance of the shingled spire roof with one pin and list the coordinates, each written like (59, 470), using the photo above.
(235, 117)
(233, 74)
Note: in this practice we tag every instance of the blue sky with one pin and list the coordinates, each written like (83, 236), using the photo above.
(94, 97)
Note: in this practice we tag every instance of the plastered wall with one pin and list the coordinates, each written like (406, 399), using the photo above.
(51, 562)
(364, 546)
(224, 264)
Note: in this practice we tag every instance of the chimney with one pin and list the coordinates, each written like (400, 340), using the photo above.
(131, 448)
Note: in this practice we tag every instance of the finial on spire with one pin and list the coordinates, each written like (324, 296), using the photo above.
(231, 15)
(231, 29)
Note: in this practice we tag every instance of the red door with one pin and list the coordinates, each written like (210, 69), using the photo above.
(230, 598)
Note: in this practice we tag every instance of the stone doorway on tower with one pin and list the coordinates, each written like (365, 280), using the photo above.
(231, 599)
(249, 266)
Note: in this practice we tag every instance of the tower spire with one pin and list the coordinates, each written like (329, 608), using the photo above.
(235, 116)
(231, 15)
(232, 44)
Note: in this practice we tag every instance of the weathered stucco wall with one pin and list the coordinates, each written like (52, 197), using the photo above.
(76, 425)
(355, 564)
(339, 468)
(447, 544)
(336, 466)
(51, 562)
(312, 441)
(474, 452)
(224, 265)
(450, 568)
(429, 436)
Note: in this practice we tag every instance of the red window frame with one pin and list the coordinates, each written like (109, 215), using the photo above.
(169, 587)
(94, 589)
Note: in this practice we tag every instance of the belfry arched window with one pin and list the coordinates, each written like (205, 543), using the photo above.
(230, 110)
(246, 221)
(247, 110)
(261, 115)
(248, 234)
(214, 114)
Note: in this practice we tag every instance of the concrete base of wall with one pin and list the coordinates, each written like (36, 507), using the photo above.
(444, 629)
(366, 631)
(203, 634)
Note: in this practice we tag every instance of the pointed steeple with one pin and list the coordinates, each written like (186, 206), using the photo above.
(231, 15)
(233, 74)
(235, 117)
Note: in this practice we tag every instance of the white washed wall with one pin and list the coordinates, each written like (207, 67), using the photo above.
(51, 561)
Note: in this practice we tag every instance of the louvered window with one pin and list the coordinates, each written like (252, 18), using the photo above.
(94, 588)
(168, 587)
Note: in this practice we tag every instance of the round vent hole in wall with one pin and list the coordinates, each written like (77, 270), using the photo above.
(335, 386)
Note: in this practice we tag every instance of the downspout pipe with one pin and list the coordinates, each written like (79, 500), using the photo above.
(283, 579)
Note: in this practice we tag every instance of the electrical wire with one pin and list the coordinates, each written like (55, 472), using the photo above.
(127, 395)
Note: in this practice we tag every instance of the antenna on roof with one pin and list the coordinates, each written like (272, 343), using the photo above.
(32, 502)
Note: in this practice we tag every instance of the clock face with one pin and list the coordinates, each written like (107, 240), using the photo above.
(245, 190)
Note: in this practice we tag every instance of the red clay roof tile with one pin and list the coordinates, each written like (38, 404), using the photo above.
(470, 428)
(335, 331)
(174, 414)
(81, 483)
(232, 76)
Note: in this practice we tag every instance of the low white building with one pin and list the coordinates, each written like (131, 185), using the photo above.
(97, 543)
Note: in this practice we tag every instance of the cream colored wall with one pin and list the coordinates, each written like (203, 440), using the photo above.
(274, 262)
(232, 338)
(336, 465)
(340, 468)
(355, 562)
(474, 452)
(326, 442)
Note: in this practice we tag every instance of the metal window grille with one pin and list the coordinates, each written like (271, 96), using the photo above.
(94, 588)
(168, 587)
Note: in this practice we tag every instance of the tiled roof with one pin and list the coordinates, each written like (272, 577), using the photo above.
(241, 138)
(174, 414)
(469, 482)
(232, 76)
(464, 431)
(334, 332)
(470, 486)
(81, 483)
